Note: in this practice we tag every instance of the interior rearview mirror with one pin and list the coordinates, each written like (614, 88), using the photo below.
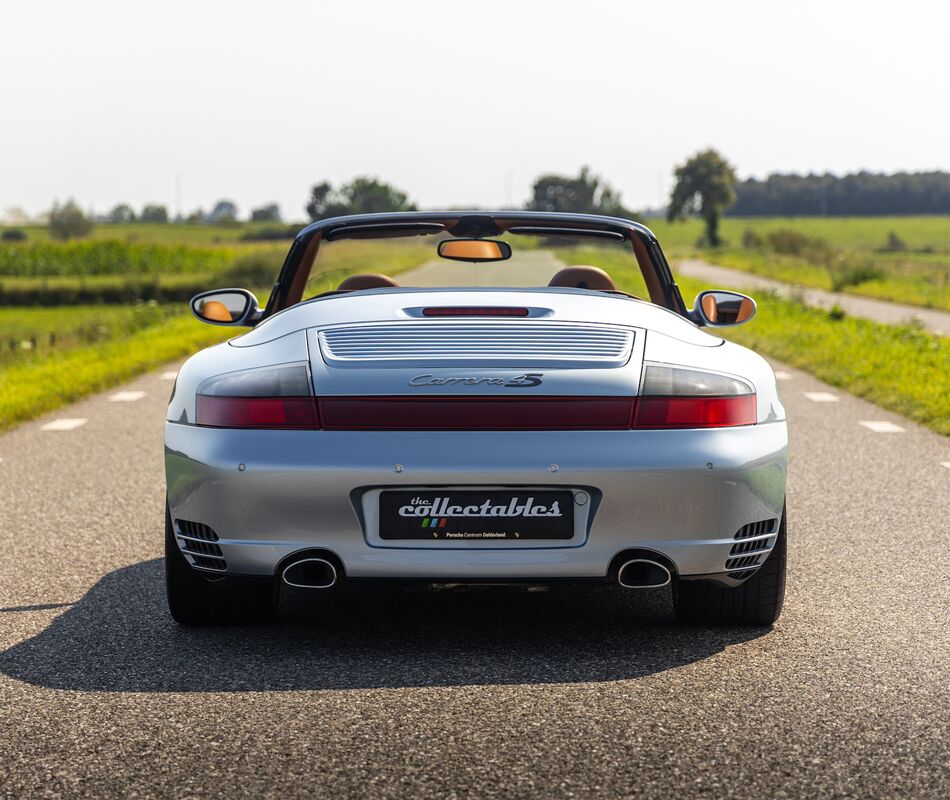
(474, 250)
(720, 307)
(226, 307)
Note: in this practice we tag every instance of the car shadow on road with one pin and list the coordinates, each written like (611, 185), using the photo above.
(120, 638)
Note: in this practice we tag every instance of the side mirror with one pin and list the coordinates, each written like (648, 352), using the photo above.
(226, 307)
(718, 308)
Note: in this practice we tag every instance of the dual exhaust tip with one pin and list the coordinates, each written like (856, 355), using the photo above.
(318, 573)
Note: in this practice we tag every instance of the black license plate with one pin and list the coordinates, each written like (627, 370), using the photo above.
(474, 515)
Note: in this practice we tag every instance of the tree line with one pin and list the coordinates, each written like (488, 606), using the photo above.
(858, 194)
(705, 186)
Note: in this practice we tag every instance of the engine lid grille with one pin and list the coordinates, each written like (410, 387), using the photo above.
(537, 343)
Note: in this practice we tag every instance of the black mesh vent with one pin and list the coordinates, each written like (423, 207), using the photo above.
(196, 530)
(756, 529)
(205, 548)
(741, 576)
(750, 546)
(210, 563)
(744, 561)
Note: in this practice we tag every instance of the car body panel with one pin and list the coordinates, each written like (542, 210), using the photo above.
(684, 494)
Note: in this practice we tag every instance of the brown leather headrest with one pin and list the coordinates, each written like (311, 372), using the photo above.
(215, 310)
(583, 277)
(366, 281)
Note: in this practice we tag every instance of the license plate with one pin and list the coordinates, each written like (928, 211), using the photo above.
(474, 515)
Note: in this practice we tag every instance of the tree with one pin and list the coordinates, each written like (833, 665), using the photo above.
(705, 185)
(585, 194)
(223, 211)
(370, 196)
(68, 221)
(154, 213)
(268, 213)
(363, 195)
(122, 213)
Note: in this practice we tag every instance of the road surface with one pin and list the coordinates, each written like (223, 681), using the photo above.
(570, 693)
(932, 319)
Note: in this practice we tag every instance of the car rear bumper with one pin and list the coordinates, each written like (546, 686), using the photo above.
(681, 493)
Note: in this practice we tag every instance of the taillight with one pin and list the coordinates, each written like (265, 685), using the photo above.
(277, 397)
(676, 397)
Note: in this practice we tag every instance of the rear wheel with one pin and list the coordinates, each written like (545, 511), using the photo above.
(757, 602)
(194, 599)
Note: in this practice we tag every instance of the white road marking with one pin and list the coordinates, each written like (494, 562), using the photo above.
(168, 376)
(781, 375)
(881, 426)
(946, 464)
(63, 424)
(822, 397)
(126, 397)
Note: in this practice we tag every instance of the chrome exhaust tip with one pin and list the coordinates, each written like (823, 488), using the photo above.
(642, 573)
(310, 573)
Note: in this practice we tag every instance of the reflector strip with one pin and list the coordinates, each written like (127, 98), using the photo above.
(256, 412)
(695, 412)
(476, 413)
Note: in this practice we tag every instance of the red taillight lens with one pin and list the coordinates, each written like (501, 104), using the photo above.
(256, 412)
(474, 311)
(695, 412)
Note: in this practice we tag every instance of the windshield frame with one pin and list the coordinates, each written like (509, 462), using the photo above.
(288, 290)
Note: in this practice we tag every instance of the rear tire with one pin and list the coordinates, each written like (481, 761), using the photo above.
(193, 599)
(757, 602)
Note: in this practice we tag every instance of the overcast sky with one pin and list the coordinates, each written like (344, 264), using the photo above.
(457, 103)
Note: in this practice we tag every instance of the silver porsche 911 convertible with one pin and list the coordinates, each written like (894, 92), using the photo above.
(521, 420)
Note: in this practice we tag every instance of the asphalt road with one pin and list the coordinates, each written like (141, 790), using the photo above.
(569, 693)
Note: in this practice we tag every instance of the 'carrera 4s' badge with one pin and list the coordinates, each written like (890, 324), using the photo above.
(523, 381)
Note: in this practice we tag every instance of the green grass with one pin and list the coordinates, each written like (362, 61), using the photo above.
(919, 276)
(899, 368)
(184, 233)
(30, 389)
(137, 338)
(32, 334)
(109, 257)
(853, 233)
(915, 278)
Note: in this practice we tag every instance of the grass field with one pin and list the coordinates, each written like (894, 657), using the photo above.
(853, 233)
(71, 351)
(899, 368)
(178, 233)
(95, 347)
(848, 255)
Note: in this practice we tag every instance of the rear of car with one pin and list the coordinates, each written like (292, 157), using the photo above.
(476, 435)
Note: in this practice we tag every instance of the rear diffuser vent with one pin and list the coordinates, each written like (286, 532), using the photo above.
(751, 546)
(756, 529)
(742, 563)
(755, 540)
(197, 540)
(196, 530)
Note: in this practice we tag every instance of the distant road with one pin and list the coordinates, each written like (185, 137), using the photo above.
(856, 306)
(491, 694)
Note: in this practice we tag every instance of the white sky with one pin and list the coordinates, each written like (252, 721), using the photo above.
(455, 102)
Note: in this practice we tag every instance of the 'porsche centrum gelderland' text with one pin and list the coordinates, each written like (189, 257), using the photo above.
(440, 508)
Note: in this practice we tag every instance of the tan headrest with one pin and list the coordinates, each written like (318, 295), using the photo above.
(583, 277)
(366, 281)
(215, 310)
